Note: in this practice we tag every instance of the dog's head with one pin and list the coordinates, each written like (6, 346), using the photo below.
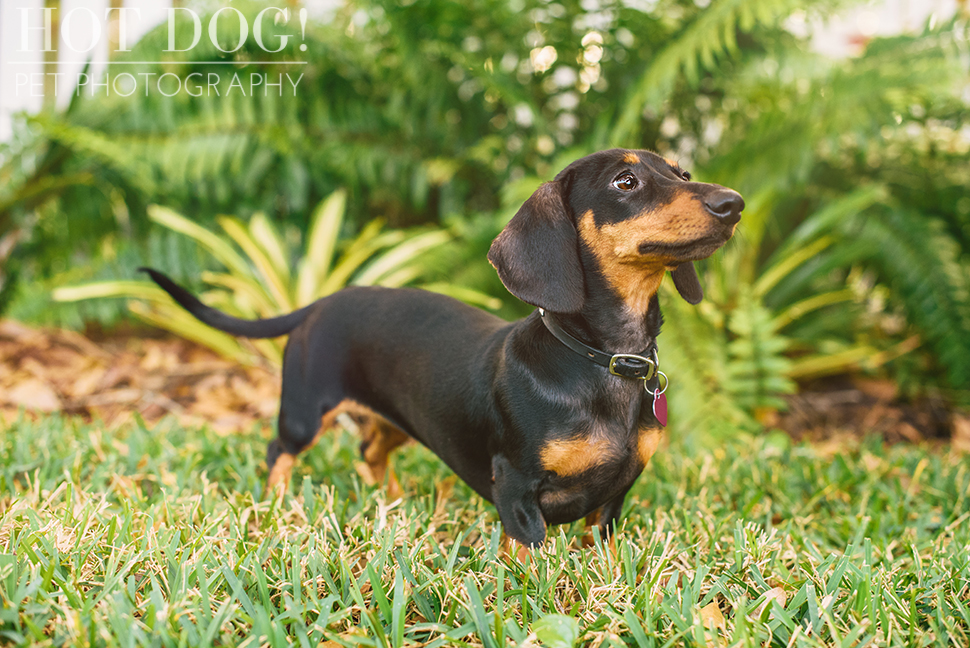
(633, 214)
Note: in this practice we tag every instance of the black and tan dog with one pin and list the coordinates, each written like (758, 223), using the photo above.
(537, 416)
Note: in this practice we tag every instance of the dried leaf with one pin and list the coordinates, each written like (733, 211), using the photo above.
(777, 594)
(32, 394)
(884, 390)
(86, 381)
(712, 618)
(909, 433)
(64, 538)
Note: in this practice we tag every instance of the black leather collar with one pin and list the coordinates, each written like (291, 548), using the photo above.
(638, 366)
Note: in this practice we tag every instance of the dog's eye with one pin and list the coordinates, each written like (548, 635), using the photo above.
(626, 181)
(685, 175)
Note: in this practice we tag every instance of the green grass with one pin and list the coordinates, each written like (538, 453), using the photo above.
(159, 537)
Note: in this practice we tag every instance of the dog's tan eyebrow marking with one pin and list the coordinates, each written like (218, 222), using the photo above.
(673, 164)
(631, 158)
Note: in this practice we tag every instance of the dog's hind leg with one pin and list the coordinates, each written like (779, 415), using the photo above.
(303, 418)
(311, 398)
(378, 438)
(280, 463)
(296, 434)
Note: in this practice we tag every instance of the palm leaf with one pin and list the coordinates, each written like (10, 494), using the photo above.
(462, 293)
(360, 250)
(173, 318)
(268, 238)
(808, 305)
(220, 249)
(247, 289)
(276, 283)
(321, 242)
(403, 253)
(100, 289)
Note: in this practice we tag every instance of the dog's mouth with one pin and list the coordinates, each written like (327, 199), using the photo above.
(689, 251)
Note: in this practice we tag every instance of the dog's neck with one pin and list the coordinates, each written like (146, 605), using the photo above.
(607, 323)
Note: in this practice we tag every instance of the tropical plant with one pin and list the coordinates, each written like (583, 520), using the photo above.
(38, 174)
(261, 281)
(416, 119)
(419, 120)
(757, 339)
(854, 248)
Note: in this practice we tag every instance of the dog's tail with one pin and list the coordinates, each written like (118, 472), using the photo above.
(261, 328)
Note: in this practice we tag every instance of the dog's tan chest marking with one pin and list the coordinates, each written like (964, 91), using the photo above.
(648, 439)
(574, 456)
(571, 457)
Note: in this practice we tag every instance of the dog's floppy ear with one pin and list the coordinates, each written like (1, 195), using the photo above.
(537, 254)
(685, 280)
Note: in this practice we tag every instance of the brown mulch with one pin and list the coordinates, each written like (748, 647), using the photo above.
(835, 409)
(43, 370)
(110, 377)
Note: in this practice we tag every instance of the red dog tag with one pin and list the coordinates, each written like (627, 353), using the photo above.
(660, 407)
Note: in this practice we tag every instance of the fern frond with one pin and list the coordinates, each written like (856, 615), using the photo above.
(696, 49)
(757, 373)
(693, 355)
(825, 104)
(922, 265)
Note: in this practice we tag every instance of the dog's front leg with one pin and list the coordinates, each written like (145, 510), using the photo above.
(516, 497)
(607, 518)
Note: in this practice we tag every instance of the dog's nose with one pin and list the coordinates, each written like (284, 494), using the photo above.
(727, 205)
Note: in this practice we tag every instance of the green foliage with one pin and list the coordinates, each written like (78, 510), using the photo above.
(557, 631)
(117, 258)
(693, 354)
(259, 280)
(833, 154)
(928, 278)
(757, 371)
(857, 136)
(160, 535)
(854, 249)
(417, 118)
(756, 308)
(823, 109)
(694, 50)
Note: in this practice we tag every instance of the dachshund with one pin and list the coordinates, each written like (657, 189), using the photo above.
(551, 418)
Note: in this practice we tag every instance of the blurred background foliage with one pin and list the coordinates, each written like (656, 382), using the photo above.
(853, 254)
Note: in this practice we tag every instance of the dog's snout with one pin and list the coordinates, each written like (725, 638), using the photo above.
(726, 205)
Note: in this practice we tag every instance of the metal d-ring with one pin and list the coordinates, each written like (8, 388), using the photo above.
(657, 392)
